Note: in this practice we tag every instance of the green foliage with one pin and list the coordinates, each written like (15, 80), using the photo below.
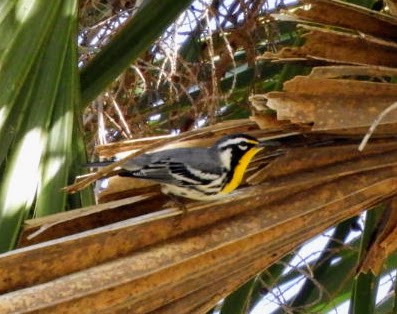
(40, 107)
(129, 43)
(365, 286)
(364, 3)
(37, 109)
(238, 302)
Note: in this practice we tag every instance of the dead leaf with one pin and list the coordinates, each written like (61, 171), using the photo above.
(330, 104)
(385, 242)
(341, 71)
(343, 14)
(323, 163)
(392, 4)
(340, 47)
(241, 234)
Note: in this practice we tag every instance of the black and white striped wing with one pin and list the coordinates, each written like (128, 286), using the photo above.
(178, 167)
(157, 171)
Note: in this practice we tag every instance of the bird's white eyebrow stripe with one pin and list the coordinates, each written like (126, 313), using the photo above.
(236, 140)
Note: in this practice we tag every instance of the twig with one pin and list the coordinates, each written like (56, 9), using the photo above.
(116, 125)
(214, 82)
(121, 116)
(375, 124)
(101, 121)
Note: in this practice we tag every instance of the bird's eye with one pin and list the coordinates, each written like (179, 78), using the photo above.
(243, 147)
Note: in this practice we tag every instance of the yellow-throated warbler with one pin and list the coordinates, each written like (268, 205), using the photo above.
(197, 173)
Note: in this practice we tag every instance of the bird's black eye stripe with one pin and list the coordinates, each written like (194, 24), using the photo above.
(245, 145)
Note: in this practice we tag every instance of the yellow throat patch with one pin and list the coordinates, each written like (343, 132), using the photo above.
(240, 170)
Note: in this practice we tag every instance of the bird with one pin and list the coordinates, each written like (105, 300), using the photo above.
(195, 172)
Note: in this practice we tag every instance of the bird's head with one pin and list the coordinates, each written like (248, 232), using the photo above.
(236, 149)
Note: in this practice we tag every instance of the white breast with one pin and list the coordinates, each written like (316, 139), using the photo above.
(190, 193)
(226, 158)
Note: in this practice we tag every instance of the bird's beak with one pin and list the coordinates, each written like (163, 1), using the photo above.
(268, 143)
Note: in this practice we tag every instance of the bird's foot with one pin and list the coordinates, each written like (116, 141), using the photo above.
(178, 202)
